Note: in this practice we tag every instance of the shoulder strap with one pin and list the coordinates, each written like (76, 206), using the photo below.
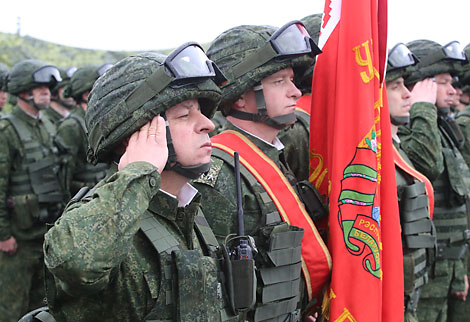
(79, 120)
(158, 235)
(23, 132)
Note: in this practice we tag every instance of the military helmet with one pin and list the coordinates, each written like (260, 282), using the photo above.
(83, 79)
(66, 75)
(3, 76)
(141, 86)
(247, 54)
(400, 61)
(37, 315)
(313, 25)
(435, 59)
(30, 73)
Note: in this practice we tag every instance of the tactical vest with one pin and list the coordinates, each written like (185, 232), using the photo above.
(451, 198)
(86, 173)
(280, 269)
(35, 187)
(199, 291)
(418, 232)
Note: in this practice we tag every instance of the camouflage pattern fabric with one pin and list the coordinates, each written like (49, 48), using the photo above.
(219, 204)
(463, 120)
(219, 121)
(421, 262)
(105, 268)
(73, 144)
(52, 115)
(420, 144)
(296, 148)
(18, 271)
(22, 280)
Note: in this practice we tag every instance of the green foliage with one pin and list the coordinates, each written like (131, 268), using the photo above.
(14, 48)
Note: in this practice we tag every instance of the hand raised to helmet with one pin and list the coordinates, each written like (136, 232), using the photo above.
(148, 145)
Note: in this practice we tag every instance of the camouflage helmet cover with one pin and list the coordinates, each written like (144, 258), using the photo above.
(81, 81)
(21, 76)
(3, 76)
(110, 120)
(424, 69)
(234, 45)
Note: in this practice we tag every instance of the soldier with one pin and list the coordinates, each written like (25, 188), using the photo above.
(3, 83)
(259, 100)
(60, 106)
(71, 137)
(444, 166)
(460, 310)
(31, 195)
(296, 137)
(137, 247)
(418, 237)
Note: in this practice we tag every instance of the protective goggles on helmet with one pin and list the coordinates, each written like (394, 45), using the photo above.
(287, 42)
(47, 74)
(451, 51)
(186, 65)
(103, 68)
(70, 71)
(400, 56)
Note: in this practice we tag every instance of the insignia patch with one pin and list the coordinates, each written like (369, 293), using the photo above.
(210, 178)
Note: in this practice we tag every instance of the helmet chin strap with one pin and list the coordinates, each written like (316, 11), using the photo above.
(278, 122)
(172, 164)
(31, 102)
(67, 104)
(399, 120)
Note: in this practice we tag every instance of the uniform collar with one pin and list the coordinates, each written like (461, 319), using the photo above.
(25, 116)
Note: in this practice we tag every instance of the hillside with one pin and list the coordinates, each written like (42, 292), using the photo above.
(14, 48)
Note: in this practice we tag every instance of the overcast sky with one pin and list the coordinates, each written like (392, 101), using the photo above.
(157, 24)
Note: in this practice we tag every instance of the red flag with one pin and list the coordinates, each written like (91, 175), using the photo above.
(352, 163)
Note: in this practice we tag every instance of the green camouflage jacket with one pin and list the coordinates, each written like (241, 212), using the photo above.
(463, 120)
(11, 157)
(104, 267)
(71, 139)
(421, 141)
(296, 146)
(52, 115)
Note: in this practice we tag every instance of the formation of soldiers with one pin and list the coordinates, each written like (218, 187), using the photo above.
(123, 201)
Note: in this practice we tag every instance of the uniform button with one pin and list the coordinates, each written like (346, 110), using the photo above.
(153, 182)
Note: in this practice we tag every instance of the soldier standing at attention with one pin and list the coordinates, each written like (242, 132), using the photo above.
(3, 82)
(137, 247)
(71, 136)
(60, 106)
(30, 190)
(415, 192)
(259, 100)
(443, 164)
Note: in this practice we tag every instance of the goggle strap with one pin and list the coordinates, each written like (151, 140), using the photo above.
(151, 87)
(255, 60)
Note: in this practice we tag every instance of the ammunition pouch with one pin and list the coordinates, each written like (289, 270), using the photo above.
(280, 274)
(417, 227)
(312, 200)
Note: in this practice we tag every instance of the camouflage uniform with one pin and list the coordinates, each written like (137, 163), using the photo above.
(418, 237)
(281, 297)
(450, 180)
(72, 141)
(19, 217)
(98, 249)
(52, 116)
(126, 251)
